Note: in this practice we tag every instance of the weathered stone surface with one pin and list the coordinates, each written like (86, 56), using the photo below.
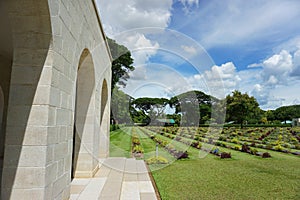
(53, 64)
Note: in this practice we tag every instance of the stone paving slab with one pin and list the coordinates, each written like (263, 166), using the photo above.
(117, 178)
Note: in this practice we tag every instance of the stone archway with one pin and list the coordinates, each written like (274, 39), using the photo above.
(84, 163)
(104, 122)
(104, 98)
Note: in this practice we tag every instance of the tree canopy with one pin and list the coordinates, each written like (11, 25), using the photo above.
(121, 107)
(152, 107)
(195, 107)
(122, 63)
(241, 107)
(285, 113)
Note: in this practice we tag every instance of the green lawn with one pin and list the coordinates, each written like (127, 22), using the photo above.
(120, 143)
(149, 147)
(247, 177)
(243, 177)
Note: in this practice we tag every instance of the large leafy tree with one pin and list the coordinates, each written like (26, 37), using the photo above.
(122, 63)
(121, 108)
(285, 113)
(195, 107)
(152, 107)
(241, 107)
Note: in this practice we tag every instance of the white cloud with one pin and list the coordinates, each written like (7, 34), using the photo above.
(141, 48)
(273, 84)
(279, 63)
(140, 73)
(222, 76)
(189, 49)
(218, 81)
(251, 26)
(120, 15)
(277, 84)
(159, 81)
(124, 21)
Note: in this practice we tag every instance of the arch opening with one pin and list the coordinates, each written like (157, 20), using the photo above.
(83, 162)
(104, 122)
(104, 98)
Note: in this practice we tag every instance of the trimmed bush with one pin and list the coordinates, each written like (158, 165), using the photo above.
(278, 147)
(237, 147)
(157, 160)
(137, 149)
(253, 151)
(235, 140)
(225, 155)
(266, 155)
(245, 148)
(181, 155)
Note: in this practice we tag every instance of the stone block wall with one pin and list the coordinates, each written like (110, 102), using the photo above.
(56, 126)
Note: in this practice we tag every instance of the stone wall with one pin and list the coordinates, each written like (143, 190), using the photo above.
(57, 126)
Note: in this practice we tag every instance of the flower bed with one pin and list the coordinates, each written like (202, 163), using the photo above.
(136, 148)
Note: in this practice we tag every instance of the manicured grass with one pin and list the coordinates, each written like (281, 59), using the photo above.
(149, 147)
(120, 143)
(243, 177)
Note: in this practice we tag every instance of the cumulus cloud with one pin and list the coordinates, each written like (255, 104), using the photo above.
(222, 76)
(167, 83)
(278, 80)
(141, 47)
(140, 73)
(260, 94)
(218, 81)
(124, 21)
(273, 84)
(120, 15)
(254, 26)
(278, 67)
(189, 49)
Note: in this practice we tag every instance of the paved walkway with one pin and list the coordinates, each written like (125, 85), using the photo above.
(117, 178)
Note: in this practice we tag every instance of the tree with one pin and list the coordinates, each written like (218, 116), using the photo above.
(195, 107)
(121, 108)
(152, 107)
(121, 65)
(241, 107)
(269, 114)
(285, 113)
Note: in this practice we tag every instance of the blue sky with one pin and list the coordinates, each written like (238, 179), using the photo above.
(210, 45)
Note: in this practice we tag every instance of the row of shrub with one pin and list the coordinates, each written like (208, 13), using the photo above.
(193, 143)
(136, 148)
(198, 145)
(178, 154)
(281, 147)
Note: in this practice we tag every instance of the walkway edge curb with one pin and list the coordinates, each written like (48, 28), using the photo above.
(153, 182)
